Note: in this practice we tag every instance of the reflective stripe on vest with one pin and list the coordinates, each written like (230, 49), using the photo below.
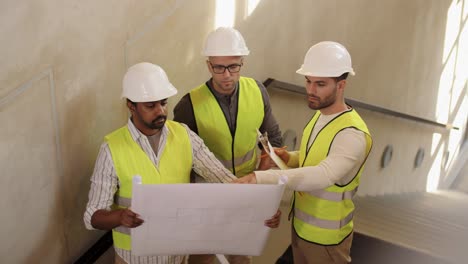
(326, 216)
(237, 152)
(129, 159)
(328, 224)
(239, 160)
(333, 196)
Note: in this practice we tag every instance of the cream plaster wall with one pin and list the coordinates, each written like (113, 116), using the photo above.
(462, 182)
(60, 78)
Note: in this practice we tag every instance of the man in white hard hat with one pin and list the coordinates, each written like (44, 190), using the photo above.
(227, 110)
(159, 150)
(335, 145)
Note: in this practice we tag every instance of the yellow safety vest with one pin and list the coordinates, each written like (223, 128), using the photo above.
(237, 152)
(326, 216)
(129, 159)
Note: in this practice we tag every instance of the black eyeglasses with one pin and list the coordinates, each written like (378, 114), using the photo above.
(219, 69)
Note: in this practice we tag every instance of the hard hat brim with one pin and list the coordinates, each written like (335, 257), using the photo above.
(152, 98)
(225, 53)
(337, 73)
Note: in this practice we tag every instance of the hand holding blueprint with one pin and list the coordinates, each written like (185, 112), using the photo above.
(203, 218)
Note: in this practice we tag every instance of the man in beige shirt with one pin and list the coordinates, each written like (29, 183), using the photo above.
(327, 168)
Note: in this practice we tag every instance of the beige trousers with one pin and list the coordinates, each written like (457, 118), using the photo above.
(309, 253)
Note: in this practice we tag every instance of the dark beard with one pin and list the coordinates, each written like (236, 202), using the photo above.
(154, 125)
(329, 100)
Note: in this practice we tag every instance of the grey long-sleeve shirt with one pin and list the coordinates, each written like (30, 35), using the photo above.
(183, 112)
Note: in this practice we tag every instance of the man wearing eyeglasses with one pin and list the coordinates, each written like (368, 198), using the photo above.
(227, 110)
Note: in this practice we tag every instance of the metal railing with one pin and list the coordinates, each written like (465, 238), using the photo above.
(272, 83)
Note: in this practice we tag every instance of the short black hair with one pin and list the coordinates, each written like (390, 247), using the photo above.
(341, 77)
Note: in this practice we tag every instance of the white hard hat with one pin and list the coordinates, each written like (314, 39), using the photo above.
(326, 59)
(146, 82)
(225, 41)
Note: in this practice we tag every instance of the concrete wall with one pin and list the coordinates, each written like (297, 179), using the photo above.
(62, 63)
(461, 183)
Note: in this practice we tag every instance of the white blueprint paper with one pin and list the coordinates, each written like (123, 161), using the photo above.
(203, 218)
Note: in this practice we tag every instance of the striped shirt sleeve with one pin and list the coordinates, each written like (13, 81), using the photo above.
(205, 163)
(104, 184)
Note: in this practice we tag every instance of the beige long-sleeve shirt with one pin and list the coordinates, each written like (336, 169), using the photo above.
(104, 181)
(347, 153)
